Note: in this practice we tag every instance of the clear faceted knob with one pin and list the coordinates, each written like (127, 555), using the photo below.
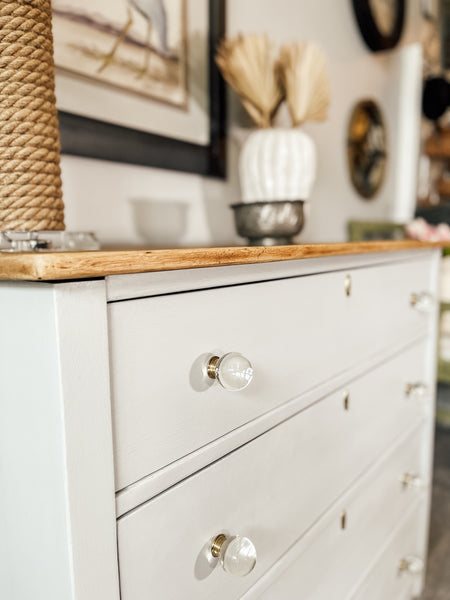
(412, 565)
(416, 390)
(412, 480)
(422, 301)
(237, 554)
(233, 371)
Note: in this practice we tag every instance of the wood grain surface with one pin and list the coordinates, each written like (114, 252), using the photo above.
(51, 266)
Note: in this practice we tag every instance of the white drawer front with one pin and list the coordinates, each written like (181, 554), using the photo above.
(270, 490)
(328, 561)
(296, 332)
(385, 581)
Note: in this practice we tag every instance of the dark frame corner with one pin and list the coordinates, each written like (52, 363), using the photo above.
(82, 136)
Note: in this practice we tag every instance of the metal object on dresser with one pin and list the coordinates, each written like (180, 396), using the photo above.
(38, 241)
(269, 223)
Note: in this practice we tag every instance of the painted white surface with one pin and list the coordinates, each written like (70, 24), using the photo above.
(139, 285)
(158, 418)
(57, 537)
(384, 580)
(34, 544)
(149, 487)
(373, 508)
(428, 453)
(98, 195)
(56, 476)
(82, 332)
(273, 490)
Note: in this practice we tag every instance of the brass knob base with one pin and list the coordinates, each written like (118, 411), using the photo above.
(211, 369)
(217, 544)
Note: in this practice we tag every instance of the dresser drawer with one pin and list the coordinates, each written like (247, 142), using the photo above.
(386, 580)
(296, 332)
(271, 489)
(330, 558)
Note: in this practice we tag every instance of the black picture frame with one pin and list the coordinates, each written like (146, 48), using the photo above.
(372, 36)
(444, 13)
(83, 136)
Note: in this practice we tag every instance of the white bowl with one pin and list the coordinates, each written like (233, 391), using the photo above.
(160, 222)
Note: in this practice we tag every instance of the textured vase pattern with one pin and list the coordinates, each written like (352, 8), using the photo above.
(277, 164)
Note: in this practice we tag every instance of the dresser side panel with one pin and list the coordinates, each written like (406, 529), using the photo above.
(84, 367)
(35, 559)
(428, 446)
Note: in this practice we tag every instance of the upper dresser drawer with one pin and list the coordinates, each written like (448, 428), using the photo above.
(296, 332)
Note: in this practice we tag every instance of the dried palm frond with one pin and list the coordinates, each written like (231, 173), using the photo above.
(247, 63)
(303, 73)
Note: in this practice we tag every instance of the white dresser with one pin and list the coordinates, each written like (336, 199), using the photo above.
(137, 462)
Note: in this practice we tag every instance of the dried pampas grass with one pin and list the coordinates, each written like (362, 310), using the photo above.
(303, 73)
(247, 63)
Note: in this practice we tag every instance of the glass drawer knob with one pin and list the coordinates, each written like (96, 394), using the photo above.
(416, 390)
(422, 302)
(412, 565)
(237, 554)
(233, 371)
(412, 480)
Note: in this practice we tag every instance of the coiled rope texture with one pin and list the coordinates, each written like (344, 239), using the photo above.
(30, 175)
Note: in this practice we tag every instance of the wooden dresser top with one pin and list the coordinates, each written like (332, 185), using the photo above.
(53, 266)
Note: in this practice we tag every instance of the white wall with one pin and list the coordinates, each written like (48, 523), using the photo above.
(99, 195)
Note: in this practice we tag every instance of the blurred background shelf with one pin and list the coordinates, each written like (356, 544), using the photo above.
(438, 145)
(435, 214)
(443, 187)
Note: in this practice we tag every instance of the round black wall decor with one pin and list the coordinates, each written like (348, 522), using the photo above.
(380, 22)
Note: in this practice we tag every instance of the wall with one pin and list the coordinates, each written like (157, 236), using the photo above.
(99, 195)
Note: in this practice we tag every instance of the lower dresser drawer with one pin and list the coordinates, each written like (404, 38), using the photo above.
(329, 560)
(270, 490)
(387, 580)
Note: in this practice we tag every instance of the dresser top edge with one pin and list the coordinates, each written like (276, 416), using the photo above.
(64, 266)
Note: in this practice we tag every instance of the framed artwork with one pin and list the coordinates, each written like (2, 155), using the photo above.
(136, 82)
(445, 33)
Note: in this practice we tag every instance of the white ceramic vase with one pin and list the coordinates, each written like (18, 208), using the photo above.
(277, 164)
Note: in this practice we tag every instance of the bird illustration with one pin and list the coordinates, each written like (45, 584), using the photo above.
(154, 13)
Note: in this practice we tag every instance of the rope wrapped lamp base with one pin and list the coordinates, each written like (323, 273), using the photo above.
(30, 175)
